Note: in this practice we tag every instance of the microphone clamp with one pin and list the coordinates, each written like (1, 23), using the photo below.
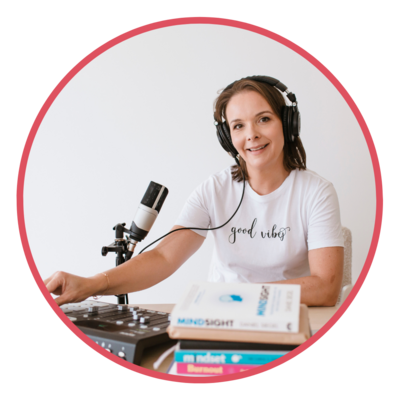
(124, 248)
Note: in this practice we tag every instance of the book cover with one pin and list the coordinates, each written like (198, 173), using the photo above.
(246, 336)
(227, 357)
(210, 369)
(172, 370)
(239, 306)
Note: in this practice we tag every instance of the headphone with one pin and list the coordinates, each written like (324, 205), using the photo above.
(290, 116)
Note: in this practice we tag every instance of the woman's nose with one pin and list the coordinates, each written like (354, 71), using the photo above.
(252, 133)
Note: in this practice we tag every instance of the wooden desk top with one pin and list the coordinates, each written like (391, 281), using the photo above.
(318, 316)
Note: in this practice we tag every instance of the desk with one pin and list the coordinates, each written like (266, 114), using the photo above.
(318, 316)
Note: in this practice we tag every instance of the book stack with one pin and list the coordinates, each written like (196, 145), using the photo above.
(226, 328)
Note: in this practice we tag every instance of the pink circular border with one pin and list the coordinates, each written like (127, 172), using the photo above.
(212, 21)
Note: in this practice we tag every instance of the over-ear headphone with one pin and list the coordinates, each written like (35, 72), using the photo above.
(290, 116)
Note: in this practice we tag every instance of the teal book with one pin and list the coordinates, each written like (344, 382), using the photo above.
(228, 357)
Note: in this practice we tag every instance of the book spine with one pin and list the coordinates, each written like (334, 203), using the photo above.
(211, 369)
(253, 324)
(226, 357)
(206, 345)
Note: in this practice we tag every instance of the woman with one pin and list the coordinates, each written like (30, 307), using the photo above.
(287, 229)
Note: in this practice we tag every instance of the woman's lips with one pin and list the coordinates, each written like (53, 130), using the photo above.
(255, 152)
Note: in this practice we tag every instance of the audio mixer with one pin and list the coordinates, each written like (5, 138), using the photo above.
(121, 329)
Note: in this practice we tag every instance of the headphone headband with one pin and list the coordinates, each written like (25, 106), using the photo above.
(271, 81)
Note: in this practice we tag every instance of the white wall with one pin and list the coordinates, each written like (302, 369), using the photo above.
(142, 111)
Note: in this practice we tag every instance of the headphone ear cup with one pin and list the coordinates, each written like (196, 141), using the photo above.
(296, 123)
(291, 123)
(220, 136)
(285, 124)
(224, 138)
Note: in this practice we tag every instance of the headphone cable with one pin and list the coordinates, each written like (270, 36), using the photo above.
(205, 229)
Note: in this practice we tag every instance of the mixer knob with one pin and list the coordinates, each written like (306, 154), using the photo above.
(144, 320)
(123, 308)
(93, 309)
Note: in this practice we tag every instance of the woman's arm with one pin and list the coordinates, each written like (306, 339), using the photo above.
(140, 272)
(323, 285)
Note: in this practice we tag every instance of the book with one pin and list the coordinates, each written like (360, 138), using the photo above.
(210, 369)
(234, 346)
(246, 336)
(202, 370)
(227, 357)
(239, 306)
(172, 370)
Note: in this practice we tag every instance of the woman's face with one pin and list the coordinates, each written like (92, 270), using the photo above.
(256, 131)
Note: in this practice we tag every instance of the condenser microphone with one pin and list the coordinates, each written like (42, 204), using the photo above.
(148, 210)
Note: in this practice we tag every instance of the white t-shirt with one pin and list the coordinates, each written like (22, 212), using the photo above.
(270, 236)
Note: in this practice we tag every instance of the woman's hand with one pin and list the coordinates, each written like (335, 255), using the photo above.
(70, 288)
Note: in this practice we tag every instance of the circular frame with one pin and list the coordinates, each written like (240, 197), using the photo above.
(371, 143)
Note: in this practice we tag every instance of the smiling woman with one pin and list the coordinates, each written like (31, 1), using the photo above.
(288, 227)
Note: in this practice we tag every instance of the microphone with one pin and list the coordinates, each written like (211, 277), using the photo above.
(146, 214)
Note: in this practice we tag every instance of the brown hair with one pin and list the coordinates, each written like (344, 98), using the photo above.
(294, 155)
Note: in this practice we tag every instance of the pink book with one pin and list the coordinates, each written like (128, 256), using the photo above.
(211, 369)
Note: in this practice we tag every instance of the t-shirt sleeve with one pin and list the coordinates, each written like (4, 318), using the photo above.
(325, 228)
(195, 212)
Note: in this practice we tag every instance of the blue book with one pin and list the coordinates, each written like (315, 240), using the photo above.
(227, 357)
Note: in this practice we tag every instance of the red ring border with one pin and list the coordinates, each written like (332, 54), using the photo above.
(371, 143)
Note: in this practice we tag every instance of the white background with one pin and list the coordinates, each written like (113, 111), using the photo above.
(142, 111)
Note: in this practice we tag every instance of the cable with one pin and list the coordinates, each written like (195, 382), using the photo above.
(205, 229)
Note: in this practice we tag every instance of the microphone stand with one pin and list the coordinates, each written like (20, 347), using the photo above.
(124, 248)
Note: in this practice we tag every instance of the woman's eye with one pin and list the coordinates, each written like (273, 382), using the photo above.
(238, 126)
(264, 119)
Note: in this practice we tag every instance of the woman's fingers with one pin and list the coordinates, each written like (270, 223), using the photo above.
(70, 288)
(55, 283)
(61, 300)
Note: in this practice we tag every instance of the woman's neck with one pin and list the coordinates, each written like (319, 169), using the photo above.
(264, 182)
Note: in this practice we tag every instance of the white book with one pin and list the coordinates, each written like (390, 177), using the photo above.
(239, 306)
